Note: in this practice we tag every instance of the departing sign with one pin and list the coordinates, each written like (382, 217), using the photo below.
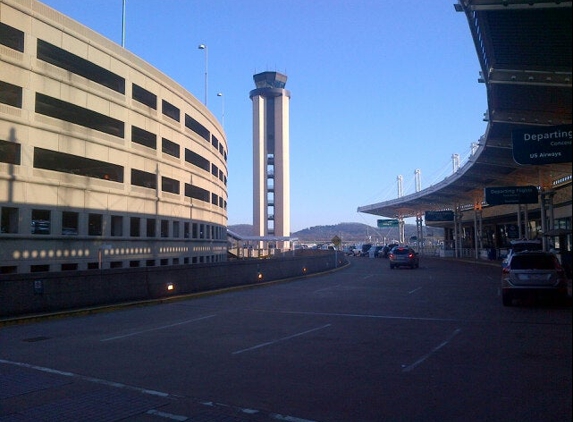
(511, 195)
(542, 145)
(388, 223)
(439, 216)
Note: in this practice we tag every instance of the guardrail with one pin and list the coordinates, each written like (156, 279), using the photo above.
(22, 294)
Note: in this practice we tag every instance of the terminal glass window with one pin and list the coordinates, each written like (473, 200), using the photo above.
(170, 110)
(58, 109)
(10, 152)
(196, 192)
(143, 179)
(143, 137)
(164, 228)
(169, 147)
(75, 64)
(69, 267)
(116, 225)
(81, 166)
(41, 222)
(197, 127)
(169, 185)
(11, 37)
(195, 159)
(144, 96)
(70, 223)
(134, 226)
(9, 220)
(151, 227)
(10, 94)
(95, 224)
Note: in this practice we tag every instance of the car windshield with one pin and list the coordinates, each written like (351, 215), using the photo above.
(401, 251)
(532, 262)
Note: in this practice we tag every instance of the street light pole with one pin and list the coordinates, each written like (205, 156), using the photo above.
(123, 25)
(220, 94)
(204, 47)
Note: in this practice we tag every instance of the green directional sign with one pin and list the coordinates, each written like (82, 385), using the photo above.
(388, 223)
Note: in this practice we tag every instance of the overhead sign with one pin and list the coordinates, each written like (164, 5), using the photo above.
(511, 195)
(388, 223)
(439, 216)
(542, 145)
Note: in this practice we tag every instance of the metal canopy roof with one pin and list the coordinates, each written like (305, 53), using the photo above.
(524, 49)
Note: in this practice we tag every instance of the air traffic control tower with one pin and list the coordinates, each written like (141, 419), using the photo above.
(271, 176)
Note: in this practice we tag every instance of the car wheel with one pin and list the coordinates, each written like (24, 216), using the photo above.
(506, 299)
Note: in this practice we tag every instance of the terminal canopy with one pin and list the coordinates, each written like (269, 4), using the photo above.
(524, 50)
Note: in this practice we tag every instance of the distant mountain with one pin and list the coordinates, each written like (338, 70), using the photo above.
(348, 232)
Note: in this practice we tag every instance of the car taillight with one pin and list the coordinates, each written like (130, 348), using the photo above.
(391, 255)
(505, 270)
(411, 255)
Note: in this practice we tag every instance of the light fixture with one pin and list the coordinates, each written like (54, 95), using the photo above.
(204, 47)
(220, 94)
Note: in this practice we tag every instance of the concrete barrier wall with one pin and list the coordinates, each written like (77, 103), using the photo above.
(22, 294)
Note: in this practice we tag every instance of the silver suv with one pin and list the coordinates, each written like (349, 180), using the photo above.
(532, 272)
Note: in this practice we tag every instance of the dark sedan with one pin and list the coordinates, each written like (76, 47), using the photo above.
(403, 256)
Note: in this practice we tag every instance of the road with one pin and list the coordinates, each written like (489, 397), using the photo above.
(364, 343)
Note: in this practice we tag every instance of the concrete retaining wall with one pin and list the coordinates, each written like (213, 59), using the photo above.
(22, 294)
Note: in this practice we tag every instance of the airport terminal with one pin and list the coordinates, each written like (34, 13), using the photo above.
(517, 182)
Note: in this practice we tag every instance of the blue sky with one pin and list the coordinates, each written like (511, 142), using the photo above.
(379, 88)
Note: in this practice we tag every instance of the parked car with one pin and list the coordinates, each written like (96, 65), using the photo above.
(403, 256)
(365, 251)
(521, 246)
(378, 251)
(530, 273)
(386, 250)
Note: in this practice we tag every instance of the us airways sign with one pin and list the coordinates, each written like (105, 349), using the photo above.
(542, 145)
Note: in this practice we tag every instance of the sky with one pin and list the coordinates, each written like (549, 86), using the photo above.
(379, 88)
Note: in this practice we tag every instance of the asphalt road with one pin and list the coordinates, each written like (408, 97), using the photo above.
(364, 343)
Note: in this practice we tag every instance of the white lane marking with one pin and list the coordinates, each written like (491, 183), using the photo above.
(171, 416)
(268, 343)
(361, 316)
(415, 290)
(84, 378)
(367, 276)
(157, 328)
(289, 418)
(327, 288)
(434, 350)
